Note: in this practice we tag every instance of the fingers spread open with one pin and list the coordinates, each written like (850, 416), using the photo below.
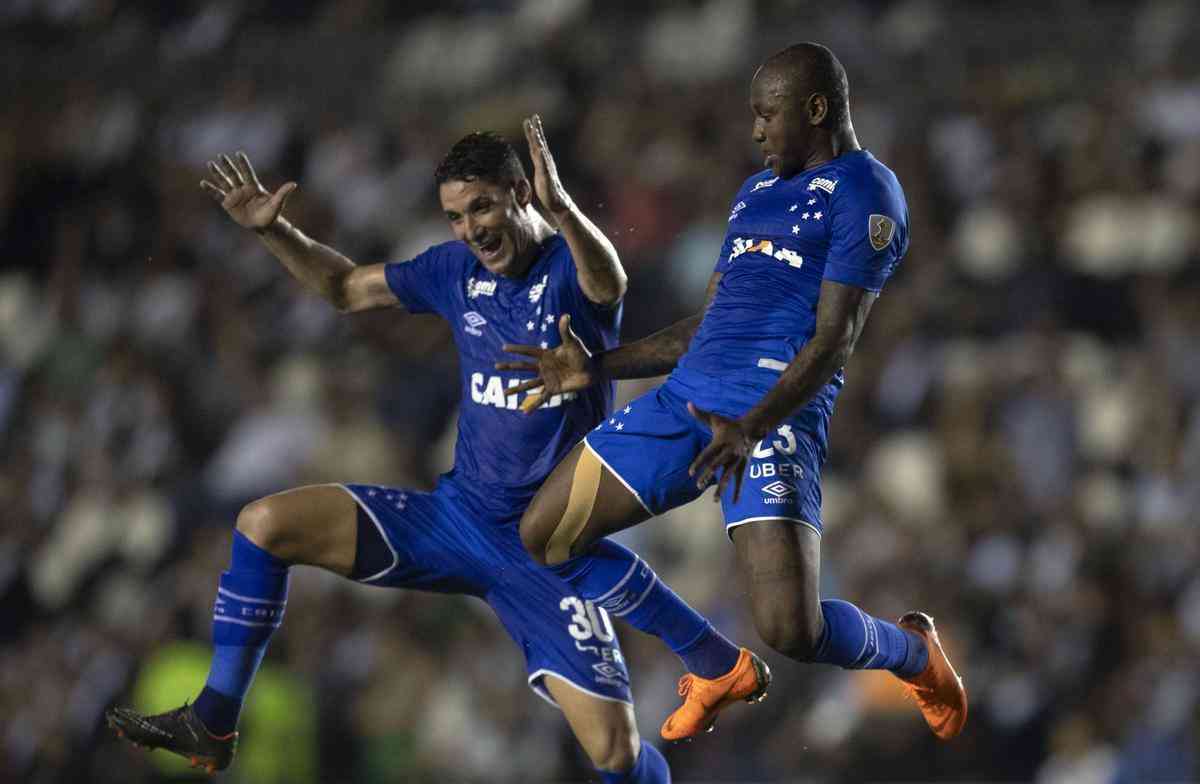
(527, 385)
(531, 366)
(212, 190)
(246, 169)
(529, 404)
(221, 177)
(529, 351)
(233, 170)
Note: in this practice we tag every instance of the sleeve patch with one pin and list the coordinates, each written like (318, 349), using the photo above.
(881, 229)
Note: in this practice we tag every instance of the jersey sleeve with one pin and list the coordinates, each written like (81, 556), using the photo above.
(422, 283)
(868, 237)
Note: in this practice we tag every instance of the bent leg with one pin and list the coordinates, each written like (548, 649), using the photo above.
(781, 562)
(310, 525)
(313, 526)
(606, 730)
(579, 503)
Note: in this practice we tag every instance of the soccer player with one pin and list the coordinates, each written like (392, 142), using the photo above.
(811, 242)
(507, 276)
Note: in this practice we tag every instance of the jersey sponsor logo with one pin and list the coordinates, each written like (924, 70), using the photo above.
(493, 391)
(822, 183)
(480, 288)
(474, 322)
(535, 293)
(758, 186)
(741, 205)
(742, 246)
(881, 229)
(778, 491)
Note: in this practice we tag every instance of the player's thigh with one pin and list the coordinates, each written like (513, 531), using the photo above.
(605, 728)
(780, 561)
(315, 525)
(587, 499)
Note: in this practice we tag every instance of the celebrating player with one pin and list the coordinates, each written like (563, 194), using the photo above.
(811, 241)
(507, 276)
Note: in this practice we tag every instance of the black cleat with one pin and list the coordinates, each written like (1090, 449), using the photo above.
(178, 731)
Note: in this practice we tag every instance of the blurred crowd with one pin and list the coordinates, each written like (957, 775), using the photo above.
(1016, 451)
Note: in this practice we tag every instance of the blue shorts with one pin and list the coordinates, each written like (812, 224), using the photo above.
(438, 544)
(650, 443)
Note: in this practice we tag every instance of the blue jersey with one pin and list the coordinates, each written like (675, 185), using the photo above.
(845, 221)
(503, 455)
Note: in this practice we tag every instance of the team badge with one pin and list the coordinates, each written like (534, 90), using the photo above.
(880, 228)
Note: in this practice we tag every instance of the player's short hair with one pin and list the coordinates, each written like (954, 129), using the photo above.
(819, 70)
(482, 155)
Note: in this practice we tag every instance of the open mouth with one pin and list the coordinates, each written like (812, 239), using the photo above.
(491, 248)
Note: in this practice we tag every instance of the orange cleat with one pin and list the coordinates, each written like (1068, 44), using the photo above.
(938, 690)
(703, 699)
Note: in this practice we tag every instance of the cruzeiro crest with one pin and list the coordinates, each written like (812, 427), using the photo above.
(880, 229)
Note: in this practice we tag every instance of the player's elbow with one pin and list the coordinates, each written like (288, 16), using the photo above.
(609, 292)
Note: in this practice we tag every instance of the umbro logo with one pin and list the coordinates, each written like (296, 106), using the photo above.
(764, 184)
(778, 489)
(474, 322)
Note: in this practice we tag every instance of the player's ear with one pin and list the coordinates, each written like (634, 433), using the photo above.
(818, 109)
(523, 192)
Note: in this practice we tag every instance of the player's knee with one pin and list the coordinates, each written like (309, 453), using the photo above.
(533, 538)
(790, 634)
(260, 523)
(613, 747)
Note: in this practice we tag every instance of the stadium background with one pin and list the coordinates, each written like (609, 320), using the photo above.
(1016, 451)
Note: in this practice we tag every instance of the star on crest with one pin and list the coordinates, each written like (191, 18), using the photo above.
(817, 215)
(796, 229)
(811, 202)
(794, 206)
(804, 216)
(628, 409)
(529, 326)
(620, 426)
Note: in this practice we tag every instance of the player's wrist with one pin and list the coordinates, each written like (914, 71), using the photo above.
(754, 426)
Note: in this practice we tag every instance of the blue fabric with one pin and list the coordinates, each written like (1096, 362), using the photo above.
(502, 455)
(442, 542)
(786, 237)
(249, 607)
(857, 641)
(651, 442)
(615, 578)
(650, 768)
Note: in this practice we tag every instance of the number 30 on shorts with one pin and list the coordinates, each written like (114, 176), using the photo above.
(587, 620)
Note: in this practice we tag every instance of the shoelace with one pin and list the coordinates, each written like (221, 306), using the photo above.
(685, 685)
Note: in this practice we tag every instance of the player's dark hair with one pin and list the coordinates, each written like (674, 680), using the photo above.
(819, 71)
(482, 155)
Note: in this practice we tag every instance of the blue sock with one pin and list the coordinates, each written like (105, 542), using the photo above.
(856, 641)
(249, 608)
(615, 578)
(650, 768)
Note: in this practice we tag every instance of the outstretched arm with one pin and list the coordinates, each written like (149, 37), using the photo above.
(841, 313)
(318, 267)
(570, 366)
(601, 277)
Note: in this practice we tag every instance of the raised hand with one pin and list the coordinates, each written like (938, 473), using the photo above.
(549, 187)
(729, 450)
(235, 185)
(565, 368)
